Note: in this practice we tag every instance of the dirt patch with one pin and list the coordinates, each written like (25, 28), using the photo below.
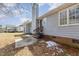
(41, 49)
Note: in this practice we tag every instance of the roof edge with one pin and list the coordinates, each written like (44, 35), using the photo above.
(53, 11)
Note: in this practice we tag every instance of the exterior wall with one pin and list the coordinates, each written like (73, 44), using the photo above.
(20, 29)
(50, 25)
(24, 28)
(27, 28)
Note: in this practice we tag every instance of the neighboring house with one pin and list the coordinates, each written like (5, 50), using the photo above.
(1, 29)
(10, 28)
(62, 24)
(20, 28)
(27, 27)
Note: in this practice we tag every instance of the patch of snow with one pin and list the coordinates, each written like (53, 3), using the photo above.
(51, 44)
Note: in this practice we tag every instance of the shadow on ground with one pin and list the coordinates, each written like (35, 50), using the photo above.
(9, 50)
(37, 49)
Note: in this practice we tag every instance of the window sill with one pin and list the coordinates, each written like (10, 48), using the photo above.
(68, 25)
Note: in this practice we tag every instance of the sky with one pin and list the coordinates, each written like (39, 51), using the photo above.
(25, 12)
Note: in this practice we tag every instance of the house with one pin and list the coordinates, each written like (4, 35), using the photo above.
(10, 28)
(27, 26)
(62, 24)
(20, 28)
(1, 28)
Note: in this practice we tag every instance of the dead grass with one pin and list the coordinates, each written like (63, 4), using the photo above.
(7, 38)
(7, 47)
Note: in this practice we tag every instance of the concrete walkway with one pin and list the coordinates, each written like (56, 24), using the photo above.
(28, 40)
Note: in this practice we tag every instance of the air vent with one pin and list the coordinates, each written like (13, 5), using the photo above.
(75, 41)
(53, 36)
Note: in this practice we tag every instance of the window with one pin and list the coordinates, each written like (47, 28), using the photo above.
(69, 16)
(44, 22)
(63, 18)
(77, 14)
(72, 16)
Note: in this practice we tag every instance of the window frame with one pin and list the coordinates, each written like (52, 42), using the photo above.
(75, 6)
(59, 18)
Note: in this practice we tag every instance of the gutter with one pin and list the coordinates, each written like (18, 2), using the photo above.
(53, 11)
